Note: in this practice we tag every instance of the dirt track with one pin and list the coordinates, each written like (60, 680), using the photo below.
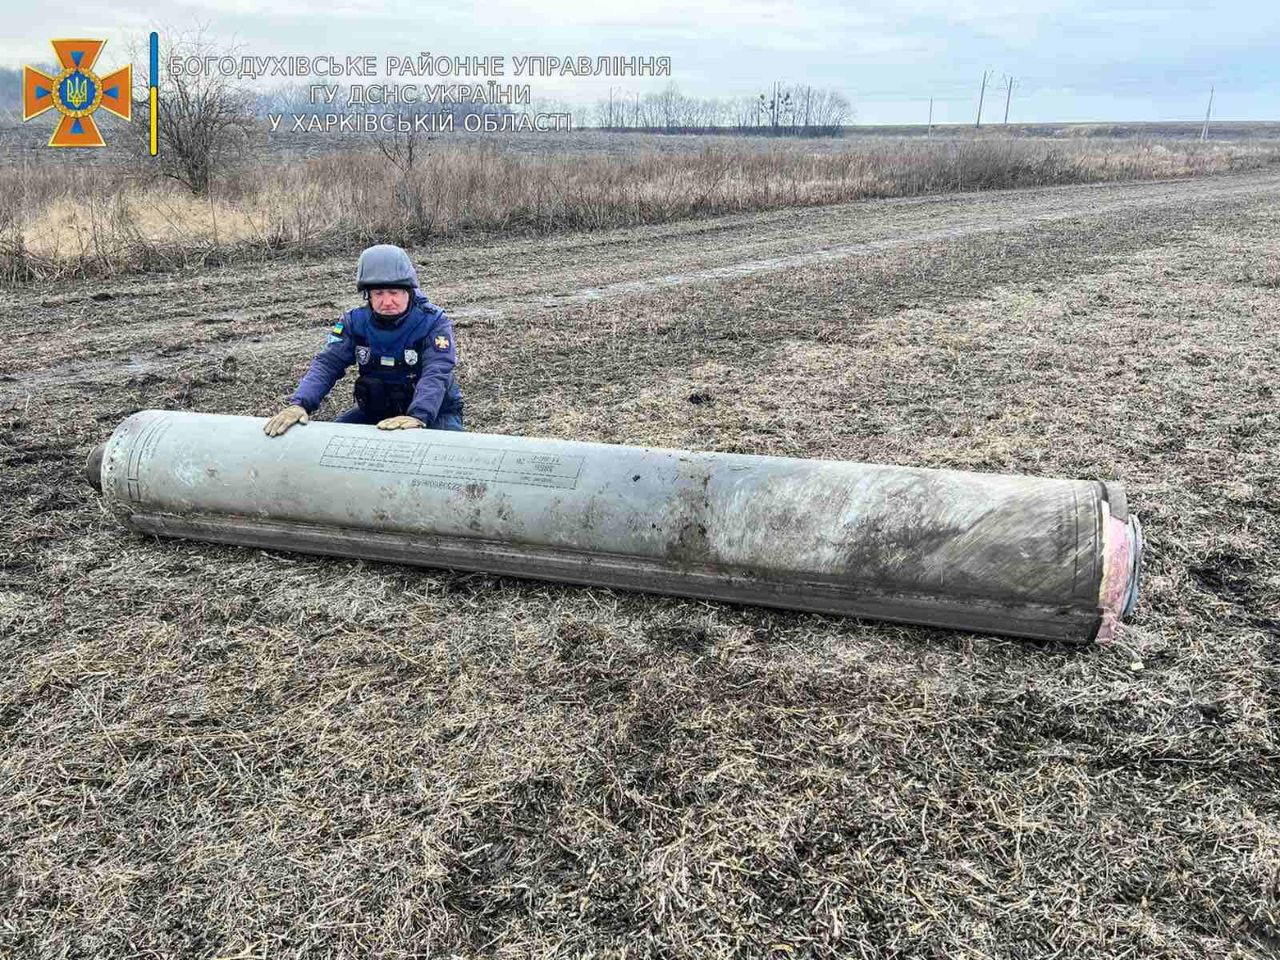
(210, 751)
(266, 307)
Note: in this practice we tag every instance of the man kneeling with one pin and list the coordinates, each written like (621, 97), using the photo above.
(403, 344)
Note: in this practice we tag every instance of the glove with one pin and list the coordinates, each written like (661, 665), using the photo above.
(285, 419)
(400, 423)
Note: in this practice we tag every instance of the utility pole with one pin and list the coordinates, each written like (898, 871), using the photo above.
(1008, 95)
(929, 132)
(1204, 131)
(981, 94)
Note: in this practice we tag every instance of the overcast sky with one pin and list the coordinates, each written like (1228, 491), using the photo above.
(1071, 59)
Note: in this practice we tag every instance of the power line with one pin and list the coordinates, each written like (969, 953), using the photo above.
(981, 94)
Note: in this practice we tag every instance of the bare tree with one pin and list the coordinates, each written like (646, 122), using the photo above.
(829, 111)
(743, 112)
(405, 147)
(712, 113)
(777, 107)
(204, 120)
(610, 111)
(665, 107)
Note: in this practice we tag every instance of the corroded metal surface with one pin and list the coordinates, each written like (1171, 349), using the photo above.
(1018, 555)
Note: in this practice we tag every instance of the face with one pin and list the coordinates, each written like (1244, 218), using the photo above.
(388, 302)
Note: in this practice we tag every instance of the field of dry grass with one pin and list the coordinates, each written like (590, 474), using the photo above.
(219, 752)
(59, 219)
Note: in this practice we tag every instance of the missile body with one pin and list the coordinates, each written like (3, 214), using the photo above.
(1024, 556)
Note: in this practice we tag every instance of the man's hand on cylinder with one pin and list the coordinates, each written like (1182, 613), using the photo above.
(400, 423)
(285, 419)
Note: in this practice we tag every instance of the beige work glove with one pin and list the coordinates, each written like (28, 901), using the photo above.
(400, 423)
(285, 419)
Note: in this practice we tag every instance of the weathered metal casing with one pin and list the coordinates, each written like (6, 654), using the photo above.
(1054, 559)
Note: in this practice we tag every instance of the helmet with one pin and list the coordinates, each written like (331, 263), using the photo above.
(385, 265)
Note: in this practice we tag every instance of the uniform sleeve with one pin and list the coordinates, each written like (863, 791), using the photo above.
(326, 369)
(440, 355)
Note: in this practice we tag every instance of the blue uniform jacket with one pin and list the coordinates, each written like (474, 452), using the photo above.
(418, 354)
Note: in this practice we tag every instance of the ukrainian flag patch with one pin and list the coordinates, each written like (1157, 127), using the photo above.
(337, 329)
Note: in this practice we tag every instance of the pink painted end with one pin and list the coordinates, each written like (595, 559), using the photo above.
(1121, 571)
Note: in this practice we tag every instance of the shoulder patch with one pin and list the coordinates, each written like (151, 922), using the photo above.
(442, 343)
(331, 338)
(337, 329)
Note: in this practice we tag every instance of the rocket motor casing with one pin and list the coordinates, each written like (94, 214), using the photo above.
(1054, 559)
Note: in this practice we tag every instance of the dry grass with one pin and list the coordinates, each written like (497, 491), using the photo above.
(60, 220)
(216, 752)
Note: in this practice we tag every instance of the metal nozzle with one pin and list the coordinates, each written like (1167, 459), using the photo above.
(93, 466)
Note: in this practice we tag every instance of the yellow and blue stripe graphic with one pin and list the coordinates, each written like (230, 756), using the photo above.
(154, 92)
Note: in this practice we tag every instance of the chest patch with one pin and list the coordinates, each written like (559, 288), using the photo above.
(387, 361)
(362, 355)
(411, 357)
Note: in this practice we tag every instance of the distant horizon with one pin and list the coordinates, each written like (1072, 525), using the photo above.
(9, 115)
(1069, 61)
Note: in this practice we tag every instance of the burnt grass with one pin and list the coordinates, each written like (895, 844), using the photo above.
(212, 751)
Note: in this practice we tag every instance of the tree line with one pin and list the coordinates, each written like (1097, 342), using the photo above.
(785, 109)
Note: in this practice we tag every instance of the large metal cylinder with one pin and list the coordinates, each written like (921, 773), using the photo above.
(1054, 559)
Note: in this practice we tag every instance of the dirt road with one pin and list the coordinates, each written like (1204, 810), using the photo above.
(137, 324)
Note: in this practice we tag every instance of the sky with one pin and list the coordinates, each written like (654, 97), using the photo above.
(1070, 60)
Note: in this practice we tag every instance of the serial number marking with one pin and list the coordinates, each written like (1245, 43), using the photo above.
(453, 463)
(383, 456)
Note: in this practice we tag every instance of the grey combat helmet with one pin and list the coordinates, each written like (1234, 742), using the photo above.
(385, 265)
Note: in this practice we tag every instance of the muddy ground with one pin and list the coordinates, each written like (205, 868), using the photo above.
(215, 751)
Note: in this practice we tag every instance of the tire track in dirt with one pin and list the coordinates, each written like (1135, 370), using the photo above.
(649, 258)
